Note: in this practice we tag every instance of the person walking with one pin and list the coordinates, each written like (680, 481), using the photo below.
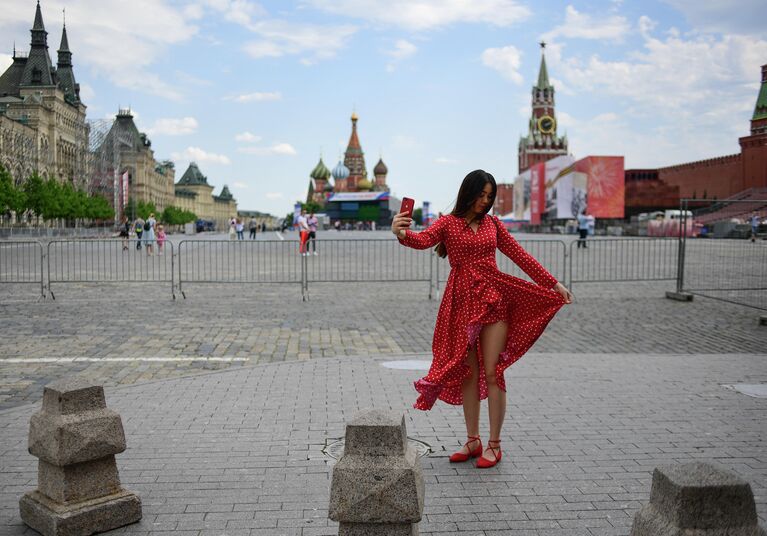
(125, 232)
(239, 229)
(252, 227)
(138, 226)
(754, 225)
(583, 228)
(312, 222)
(149, 237)
(487, 319)
(303, 232)
(162, 237)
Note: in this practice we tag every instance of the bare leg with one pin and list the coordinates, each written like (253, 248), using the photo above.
(470, 391)
(493, 339)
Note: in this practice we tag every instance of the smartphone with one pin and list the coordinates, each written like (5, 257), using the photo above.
(407, 206)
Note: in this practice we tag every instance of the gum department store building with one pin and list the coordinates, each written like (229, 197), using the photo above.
(43, 129)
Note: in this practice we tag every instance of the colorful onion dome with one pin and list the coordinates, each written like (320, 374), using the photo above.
(341, 171)
(320, 171)
(380, 168)
(364, 185)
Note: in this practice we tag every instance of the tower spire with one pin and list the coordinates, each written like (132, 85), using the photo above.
(543, 73)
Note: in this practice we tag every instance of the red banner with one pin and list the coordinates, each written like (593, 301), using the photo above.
(537, 192)
(605, 185)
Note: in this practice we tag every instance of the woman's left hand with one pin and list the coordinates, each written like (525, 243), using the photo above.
(566, 294)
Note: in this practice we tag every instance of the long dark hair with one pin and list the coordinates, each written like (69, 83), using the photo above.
(470, 190)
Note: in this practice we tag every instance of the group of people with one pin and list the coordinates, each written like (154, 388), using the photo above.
(237, 229)
(147, 232)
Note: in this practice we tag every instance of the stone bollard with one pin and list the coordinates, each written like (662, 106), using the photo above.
(75, 438)
(377, 486)
(697, 499)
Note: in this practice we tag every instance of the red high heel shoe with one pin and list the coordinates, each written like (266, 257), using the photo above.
(458, 457)
(484, 463)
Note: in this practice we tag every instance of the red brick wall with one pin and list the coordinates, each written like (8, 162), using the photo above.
(649, 195)
(754, 155)
(716, 177)
(504, 199)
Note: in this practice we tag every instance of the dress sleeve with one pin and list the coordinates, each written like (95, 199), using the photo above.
(426, 238)
(511, 248)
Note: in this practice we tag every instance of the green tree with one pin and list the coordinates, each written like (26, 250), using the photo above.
(34, 188)
(418, 216)
(311, 206)
(11, 198)
(144, 209)
(175, 216)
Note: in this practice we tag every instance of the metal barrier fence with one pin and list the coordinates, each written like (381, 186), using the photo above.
(366, 260)
(550, 253)
(623, 259)
(109, 261)
(239, 261)
(21, 262)
(732, 268)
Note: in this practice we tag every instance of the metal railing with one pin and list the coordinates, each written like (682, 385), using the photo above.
(21, 262)
(606, 260)
(109, 261)
(366, 261)
(239, 261)
(732, 266)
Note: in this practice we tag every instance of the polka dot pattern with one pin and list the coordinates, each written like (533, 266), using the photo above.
(478, 293)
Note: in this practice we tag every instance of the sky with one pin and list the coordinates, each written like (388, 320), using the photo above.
(255, 92)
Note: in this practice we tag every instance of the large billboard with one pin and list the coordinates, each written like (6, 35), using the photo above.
(521, 198)
(605, 185)
(557, 186)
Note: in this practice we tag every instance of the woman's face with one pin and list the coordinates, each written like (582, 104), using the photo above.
(484, 201)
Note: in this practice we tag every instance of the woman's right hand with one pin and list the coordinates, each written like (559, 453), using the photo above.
(400, 222)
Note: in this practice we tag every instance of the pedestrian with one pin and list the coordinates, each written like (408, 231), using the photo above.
(263, 226)
(487, 319)
(312, 222)
(303, 232)
(232, 229)
(583, 228)
(149, 237)
(161, 238)
(138, 226)
(754, 225)
(125, 231)
(252, 226)
(239, 229)
(337, 225)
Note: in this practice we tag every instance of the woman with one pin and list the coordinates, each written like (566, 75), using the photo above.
(149, 234)
(487, 319)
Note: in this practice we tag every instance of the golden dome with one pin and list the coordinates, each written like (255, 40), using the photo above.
(364, 185)
(354, 116)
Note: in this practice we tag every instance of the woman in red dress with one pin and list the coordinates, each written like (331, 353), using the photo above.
(487, 319)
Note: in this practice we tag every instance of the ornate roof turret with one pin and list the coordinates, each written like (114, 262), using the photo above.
(193, 176)
(328, 187)
(225, 194)
(380, 168)
(320, 171)
(65, 73)
(340, 171)
(37, 70)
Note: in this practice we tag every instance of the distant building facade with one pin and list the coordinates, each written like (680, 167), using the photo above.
(42, 119)
(194, 193)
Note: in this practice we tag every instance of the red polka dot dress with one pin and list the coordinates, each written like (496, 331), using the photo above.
(478, 293)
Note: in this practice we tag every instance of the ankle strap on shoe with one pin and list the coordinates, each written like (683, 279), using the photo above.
(473, 438)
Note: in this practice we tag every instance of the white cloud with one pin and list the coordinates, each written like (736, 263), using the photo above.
(247, 137)
(281, 38)
(87, 94)
(676, 74)
(743, 16)
(195, 154)
(257, 96)
(428, 14)
(275, 195)
(173, 126)
(283, 149)
(584, 26)
(402, 49)
(445, 160)
(505, 60)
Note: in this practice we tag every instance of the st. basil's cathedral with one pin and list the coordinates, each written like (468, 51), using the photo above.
(349, 175)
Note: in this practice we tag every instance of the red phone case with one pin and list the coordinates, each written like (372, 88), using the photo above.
(407, 206)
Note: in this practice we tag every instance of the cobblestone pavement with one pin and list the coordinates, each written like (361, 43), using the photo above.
(239, 452)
